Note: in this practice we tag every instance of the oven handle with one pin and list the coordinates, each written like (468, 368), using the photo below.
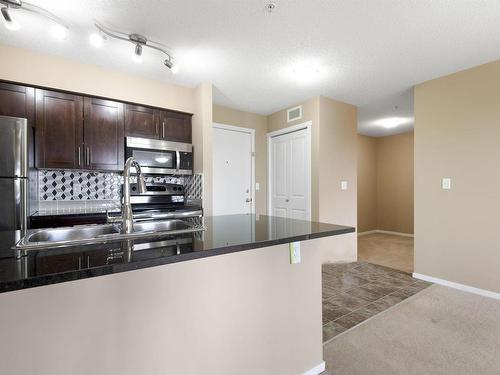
(178, 160)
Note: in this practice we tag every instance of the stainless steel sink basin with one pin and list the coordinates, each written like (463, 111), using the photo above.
(72, 233)
(90, 234)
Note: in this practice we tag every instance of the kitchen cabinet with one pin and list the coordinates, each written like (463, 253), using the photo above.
(58, 129)
(17, 101)
(175, 126)
(141, 121)
(74, 132)
(103, 134)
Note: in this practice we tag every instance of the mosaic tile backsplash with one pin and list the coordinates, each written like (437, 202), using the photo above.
(60, 185)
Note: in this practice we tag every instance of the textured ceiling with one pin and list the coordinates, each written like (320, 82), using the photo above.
(370, 53)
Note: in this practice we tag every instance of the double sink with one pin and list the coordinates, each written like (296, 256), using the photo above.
(90, 234)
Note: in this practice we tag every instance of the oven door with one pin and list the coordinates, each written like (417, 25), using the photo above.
(154, 161)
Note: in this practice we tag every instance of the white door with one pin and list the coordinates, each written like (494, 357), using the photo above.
(290, 174)
(232, 170)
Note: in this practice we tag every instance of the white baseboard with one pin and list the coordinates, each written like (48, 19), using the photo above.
(451, 284)
(316, 370)
(385, 232)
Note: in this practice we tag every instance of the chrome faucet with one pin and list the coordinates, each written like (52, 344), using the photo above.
(127, 215)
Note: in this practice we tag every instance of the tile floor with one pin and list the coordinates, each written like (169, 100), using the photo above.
(387, 250)
(354, 292)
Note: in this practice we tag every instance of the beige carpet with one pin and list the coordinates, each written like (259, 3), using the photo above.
(387, 250)
(437, 331)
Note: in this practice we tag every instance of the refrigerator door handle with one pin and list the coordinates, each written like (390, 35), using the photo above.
(21, 203)
(20, 148)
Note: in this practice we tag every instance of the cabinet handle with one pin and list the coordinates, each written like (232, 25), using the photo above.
(79, 156)
(163, 129)
(88, 156)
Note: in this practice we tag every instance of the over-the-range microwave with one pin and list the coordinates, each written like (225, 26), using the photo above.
(161, 157)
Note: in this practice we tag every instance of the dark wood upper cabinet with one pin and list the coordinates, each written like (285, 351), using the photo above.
(103, 134)
(175, 126)
(141, 121)
(17, 101)
(59, 129)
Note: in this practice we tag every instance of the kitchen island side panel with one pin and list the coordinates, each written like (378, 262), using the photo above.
(250, 312)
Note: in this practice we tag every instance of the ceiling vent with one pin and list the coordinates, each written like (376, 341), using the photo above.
(294, 113)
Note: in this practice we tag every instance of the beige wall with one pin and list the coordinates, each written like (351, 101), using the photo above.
(395, 183)
(367, 183)
(229, 116)
(457, 135)
(244, 313)
(385, 183)
(25, 66)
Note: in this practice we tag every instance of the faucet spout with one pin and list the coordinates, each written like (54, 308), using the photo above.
(127, 214)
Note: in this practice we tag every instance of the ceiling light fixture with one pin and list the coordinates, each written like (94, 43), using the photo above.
(270, 7)
(305, 73)
(139, 42)
(392, 122)
(97, 40)
(137, 53)
(10, 23)
(59, 30)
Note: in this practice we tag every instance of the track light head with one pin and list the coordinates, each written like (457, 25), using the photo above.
(168, 63)
(10, 23)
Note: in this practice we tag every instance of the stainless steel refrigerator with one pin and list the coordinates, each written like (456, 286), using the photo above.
(17, 201)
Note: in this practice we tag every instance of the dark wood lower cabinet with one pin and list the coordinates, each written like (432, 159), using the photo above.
(103, 134)
(59, 130)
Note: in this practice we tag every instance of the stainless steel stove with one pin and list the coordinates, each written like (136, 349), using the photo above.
(162, 201)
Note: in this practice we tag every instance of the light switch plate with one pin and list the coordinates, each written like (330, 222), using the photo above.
(446, 183)
(257, 186)
(343, 185)
(294, 252)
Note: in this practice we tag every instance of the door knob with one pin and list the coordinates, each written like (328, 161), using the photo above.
(287, 200)
(248, 200)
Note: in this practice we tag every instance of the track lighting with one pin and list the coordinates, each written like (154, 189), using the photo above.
(139, 42)
(10, 23)
(138, 53)
(59, 30)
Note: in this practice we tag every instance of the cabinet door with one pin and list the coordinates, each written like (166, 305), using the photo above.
(17, 101)
(59, 130)
(103, 134)
(141, 121)
(175, 127)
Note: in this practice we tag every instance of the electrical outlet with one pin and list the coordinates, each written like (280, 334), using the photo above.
(77, 189)
(294, 252)
(257, 186)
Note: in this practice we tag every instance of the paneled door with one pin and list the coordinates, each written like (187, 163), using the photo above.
(290, 174)
(59, 130)
(233, 170)
(103, 134)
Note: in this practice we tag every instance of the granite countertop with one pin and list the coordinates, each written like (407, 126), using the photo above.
(224, 234)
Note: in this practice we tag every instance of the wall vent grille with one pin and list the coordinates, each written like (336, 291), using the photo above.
(294, 113)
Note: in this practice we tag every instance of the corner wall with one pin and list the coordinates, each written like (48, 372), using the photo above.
(457, 135)
(333, 158)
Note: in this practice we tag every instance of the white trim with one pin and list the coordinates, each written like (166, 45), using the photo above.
(290, 129)
(316, 370)
(360, 234)
(299, 117)
(451, 284)
(252, 133)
